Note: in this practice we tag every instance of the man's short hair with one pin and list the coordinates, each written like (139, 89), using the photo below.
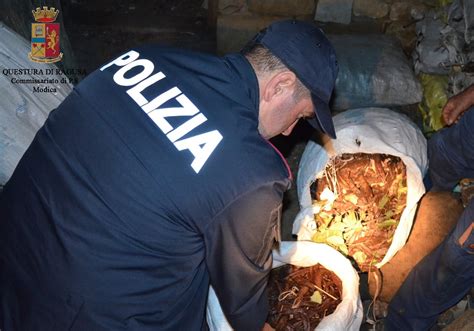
(263, 61)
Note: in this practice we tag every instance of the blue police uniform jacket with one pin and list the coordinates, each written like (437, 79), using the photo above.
(147, 184)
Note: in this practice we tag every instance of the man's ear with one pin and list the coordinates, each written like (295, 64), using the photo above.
(280, 84)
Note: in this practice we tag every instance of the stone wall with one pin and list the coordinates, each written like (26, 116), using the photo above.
(239, 20)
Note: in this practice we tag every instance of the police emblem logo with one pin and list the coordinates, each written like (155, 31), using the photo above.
(45, 36)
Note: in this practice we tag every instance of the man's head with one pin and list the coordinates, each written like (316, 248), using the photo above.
(296, 68)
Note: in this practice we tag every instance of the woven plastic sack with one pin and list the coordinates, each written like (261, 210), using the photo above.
(371, 131)
(348, 314)
(373, 72)
(22, 112)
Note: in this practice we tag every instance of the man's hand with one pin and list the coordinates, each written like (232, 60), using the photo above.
(457, 105)
(267, 327)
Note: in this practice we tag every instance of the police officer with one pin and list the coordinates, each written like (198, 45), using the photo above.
(444, 276)
(154, 179)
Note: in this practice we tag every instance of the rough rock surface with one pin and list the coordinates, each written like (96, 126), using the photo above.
(370, 8)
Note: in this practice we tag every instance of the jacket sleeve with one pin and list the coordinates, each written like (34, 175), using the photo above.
(238, 246)
(451, 153)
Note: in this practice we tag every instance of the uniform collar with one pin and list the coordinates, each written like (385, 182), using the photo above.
(244, 70)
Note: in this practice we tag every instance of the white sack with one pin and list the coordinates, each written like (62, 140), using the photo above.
(348, 314)
(371, 131)
(22, 112)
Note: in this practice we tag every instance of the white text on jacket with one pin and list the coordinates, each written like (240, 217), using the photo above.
(200, 145)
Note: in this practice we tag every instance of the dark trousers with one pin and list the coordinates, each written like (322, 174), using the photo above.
(444, 276)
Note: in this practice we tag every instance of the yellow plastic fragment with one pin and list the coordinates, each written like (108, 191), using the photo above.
(434, 98)
(316, 297)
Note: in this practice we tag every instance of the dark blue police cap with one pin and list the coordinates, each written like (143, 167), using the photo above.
(305, 50)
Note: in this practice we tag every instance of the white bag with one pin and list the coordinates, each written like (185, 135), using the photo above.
(22, 112)
(348, 314)
(371, 131)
